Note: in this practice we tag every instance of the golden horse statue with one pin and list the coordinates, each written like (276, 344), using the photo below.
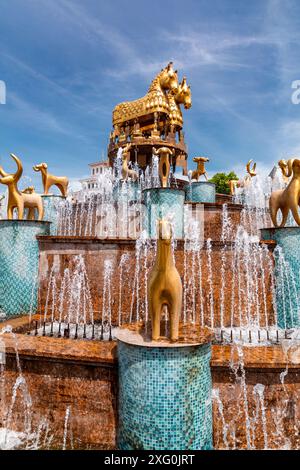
(154, 101)
(125, 172)
(48, 180)
(196, 174)
(26, 199)
(164, 284)
(180, 96)
(164, 164)
(287, 199)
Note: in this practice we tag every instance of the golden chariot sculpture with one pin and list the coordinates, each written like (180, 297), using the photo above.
(153, 121)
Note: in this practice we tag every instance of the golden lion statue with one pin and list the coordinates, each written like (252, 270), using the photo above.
(287, 199)
(26, 199)
(61, 182)
(164, 284)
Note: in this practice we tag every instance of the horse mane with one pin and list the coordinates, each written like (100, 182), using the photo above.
(155, 85)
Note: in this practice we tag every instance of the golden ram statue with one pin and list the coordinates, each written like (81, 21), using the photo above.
(49, 180)
(287, 199)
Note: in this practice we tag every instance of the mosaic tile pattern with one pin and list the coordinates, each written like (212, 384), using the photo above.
(52, 203)
(164, 203)
(201, 192)
(127, 191)
(164, 398)
(287, 274)
(19, 265)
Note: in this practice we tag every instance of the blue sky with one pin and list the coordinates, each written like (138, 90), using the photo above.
(67, 63)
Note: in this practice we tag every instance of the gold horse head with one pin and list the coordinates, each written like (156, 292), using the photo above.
(184, 94)
(168, 78)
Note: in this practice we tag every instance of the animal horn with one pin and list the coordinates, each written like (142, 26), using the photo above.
(19, 171)
(2, 172)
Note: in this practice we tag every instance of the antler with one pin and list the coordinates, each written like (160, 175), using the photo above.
(19, 171)
(251, 171)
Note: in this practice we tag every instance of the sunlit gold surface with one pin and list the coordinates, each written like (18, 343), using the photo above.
(287, 199)
(200, 168)
(164, 154)
(61, 182)
(284, 170)
(246, 181)
(164, 285)
(154, 101)
(125, 172)
(20, 200)
(251, 171)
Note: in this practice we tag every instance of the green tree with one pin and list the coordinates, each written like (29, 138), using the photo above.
(221, 181)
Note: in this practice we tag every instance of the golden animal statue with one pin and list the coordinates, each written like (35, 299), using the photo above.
(61, 182)
(196, 174)
(164, 284)
(180, 96)
(284, 169)
(154, 101)
(287, 199)
(125, 172)
(246, 181)
(164, 164)
(20, 200)
(232, 185)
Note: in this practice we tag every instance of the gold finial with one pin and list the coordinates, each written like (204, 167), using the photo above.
(164, 164)
(287, 199)
(61, 182)
(164, 284)
(200, 168)
(20, 200)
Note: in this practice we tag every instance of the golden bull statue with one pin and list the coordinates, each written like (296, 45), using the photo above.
(287, 199)
(48, 180)
(200, 168)
(26, 199)
(164, 284)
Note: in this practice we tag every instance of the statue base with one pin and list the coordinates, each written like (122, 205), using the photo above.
(287, 267)
(201, 191)
(19, 257)
(126, 191)
(164, 394)
(52, 204)
(164, 203)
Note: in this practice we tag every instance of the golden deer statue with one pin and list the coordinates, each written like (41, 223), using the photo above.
(125, 172)
(287, 199)
(164, 164)
(48, 180)
(20, 200)
(164, 284)
(196, 174)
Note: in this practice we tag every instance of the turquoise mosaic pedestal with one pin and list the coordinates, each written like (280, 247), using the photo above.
(164, 203)
(127, 191)
(287, 274)
(19, 265)
(164, 397)
(201, 191)
(52, 204)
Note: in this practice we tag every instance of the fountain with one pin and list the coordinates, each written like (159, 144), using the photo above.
(208, 360)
